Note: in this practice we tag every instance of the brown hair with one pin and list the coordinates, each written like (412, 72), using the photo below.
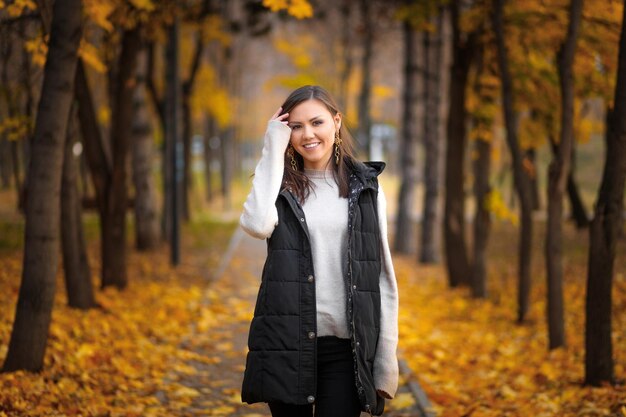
(296, 180)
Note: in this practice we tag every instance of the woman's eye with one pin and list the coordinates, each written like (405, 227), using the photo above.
(295, 127)
(317, 123)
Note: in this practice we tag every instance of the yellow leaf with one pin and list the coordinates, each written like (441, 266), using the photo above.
(275, 5)
(224, 410)
(38, 49)
(300, 9)
(185, 392)
(89, 53)
(146, 5)
(98, 11)
(19, 7)
(104, 114)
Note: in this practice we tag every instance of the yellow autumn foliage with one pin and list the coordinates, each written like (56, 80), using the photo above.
(17, 8)
(38, 49)
(213, 30)
(16, 128)
(104, 114)
(120, 358)
(296, 52)
(494, 203)
(90, 55)
(209, 96)
(99, 11)
(146, 5)
(473, 360)
(301, 56)
(300, 9)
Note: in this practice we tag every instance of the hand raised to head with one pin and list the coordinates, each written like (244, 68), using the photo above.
(282, 118)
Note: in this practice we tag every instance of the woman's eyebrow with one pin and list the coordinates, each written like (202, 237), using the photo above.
(310, 120)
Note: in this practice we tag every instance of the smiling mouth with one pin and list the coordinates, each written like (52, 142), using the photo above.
(310, 145)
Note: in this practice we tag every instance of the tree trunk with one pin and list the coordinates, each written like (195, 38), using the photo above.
(605, 226)
(186, 162)
(531, 157)
(365, 121)
(13, 111)
(159, 107)
(114, 221)
(147, 226)
(226, 134)
(486, 95)
(408, 166)
(36, 296)
(5, 162)
(346, 50)
(579, 212)
(26, 73)
(429, 252)
(174, 151)
(558, 173)
(5, 146)
(457, 263)
(75, 262)
(520, 177)
(15, 163)
(227, 145)
(482, 222)
(187, 90)
(209, 134)
(97, 153)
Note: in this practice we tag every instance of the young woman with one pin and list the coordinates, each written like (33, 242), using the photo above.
(325, 326)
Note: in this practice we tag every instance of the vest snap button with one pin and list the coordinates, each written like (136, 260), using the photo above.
(301, 219)
(310, 278)
(311, 335)
(310, 399)
(354, 287)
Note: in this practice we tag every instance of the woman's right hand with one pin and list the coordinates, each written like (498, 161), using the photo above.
(282, 118)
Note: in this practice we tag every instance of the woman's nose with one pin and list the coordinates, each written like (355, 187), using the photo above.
(307, 132)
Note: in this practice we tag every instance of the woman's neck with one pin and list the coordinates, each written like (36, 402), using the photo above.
(318, 173)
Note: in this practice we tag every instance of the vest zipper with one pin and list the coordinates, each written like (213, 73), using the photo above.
(350, 288)
(299, 211)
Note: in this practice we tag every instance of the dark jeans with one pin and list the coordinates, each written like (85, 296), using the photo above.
(336, 389)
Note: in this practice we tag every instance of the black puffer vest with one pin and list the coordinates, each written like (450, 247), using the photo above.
(281, 362)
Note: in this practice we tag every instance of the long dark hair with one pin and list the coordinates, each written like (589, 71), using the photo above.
(296, 180)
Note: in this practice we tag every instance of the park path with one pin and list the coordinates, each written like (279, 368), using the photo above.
(221, 337)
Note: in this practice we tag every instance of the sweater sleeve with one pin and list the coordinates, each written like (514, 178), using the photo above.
(386, 360)
(259, 216)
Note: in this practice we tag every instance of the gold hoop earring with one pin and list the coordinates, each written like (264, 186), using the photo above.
(290, 154)
(338, 142)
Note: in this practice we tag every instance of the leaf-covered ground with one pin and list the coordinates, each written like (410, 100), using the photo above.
(474, 361)
(173, 343)
(124, 358)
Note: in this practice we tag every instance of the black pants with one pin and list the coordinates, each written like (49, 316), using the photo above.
(336, 389)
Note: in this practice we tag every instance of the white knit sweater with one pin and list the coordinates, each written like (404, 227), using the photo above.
(327, 215)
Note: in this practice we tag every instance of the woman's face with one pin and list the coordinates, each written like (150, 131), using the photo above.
(313, 132)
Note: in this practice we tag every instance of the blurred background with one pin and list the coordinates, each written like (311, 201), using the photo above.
(129, 131)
